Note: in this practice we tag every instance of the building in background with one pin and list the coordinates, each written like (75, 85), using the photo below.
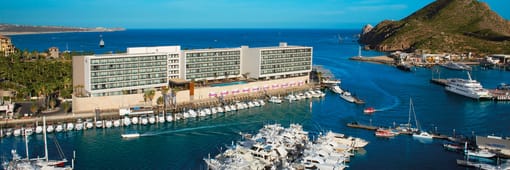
(53, 52)
(6, 46)
(211, 64)
(281, 61)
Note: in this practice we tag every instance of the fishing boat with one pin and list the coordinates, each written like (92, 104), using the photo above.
(369, 110)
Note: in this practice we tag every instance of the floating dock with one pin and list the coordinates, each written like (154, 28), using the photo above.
(361, 126)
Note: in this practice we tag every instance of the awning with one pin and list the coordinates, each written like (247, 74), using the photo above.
(212, 94)
(246, 90)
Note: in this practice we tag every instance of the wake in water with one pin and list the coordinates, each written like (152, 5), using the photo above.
(194, 128)
(396, 102)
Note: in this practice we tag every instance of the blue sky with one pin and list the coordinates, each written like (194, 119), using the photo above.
(214, 13)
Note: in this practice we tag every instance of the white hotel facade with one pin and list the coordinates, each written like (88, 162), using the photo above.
(143, 68)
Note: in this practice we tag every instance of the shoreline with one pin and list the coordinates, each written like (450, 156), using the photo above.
(52, 32)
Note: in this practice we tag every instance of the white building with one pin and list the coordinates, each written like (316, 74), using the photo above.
(115, 74)
(211, 64)
(277, 62)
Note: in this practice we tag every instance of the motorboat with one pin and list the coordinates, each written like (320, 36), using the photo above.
(337, 89)
(220, 109)
(169, 118)
(28, 131)
(38, 129)
(213, 110)
(422, 135)
(227, 108)
(250, 104)
(126, 121)
(481, 153)
(152, 119)
(453, 147)
(321, 94)
(275, 99)
(99, 124)
(70, 126)
(89, 124)
(256, 103)
(233, 107)
(384, 133)
(59, 127)
(290, 97)
(369, 110)
(161, 118)
(261, 102)
(144, 120)
(135, 120)
(116, 123)
(467, 87)
(347, 96)
(79, 124)
(130, 135)
(16, 132)
(108, 123)
(50, 128)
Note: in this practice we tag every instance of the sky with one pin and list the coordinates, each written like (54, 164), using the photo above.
(214, 13)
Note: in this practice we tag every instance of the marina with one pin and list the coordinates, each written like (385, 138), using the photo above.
(184, 144)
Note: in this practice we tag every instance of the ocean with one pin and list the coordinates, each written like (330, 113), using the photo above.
(184, 144)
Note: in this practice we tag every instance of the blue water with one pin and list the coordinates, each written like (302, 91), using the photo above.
(228, 84)
(183, 144)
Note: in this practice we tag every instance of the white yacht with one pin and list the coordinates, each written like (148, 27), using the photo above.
(50, 128)
(99, 124)
(467, 87)
(422, 135)
(38, 129)
(17, 132)
(227, 108)
(59, 128)
(28, 131)
(161, 118)
(79, 124)
(152, 119)
(134, 120)
(169, 118)
(144, 120)
(108, 123)
(337, 89)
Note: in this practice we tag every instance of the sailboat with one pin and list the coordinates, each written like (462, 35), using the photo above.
(418, 134)
(407, 128)
(36, 163)
(101, 42)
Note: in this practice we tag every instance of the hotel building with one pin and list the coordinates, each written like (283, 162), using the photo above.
(130, 73)
(6, 46)
(277, 62)
(211, 64)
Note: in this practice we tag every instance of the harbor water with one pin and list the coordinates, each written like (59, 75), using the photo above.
(183, 144)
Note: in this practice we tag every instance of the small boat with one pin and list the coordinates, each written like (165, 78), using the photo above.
(384, 133)
(169, 118)
(422, 135)
(127, 121)
(17, 132)
(28, 131)
(134, 120)
(227, 108)
(70, 126)
(99, 124)
(59, 127)
(213, 110)
(369, 110)
(79, 124)
(130, 135)
(50, 128)
(161, 118)
(108, 123)
(262, 103)
(347, 97)
(116, 123)
(220, 109)
(38, 129)
(101, 42)
(152, 119)
(275, 99)
(336, 89)
(453, 147)
(144, 120)
(481, 153)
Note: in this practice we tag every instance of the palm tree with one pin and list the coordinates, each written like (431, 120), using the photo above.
(160, 101)
(164, 92)
(34, 107)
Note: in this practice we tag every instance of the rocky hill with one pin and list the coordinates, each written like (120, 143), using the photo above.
(443, 26)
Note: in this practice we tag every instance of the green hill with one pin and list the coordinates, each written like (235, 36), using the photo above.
(443, 26)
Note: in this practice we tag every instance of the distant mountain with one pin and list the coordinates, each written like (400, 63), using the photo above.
(9, 29)
(443, 26)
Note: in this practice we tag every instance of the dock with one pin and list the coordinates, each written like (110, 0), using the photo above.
(441, 82)
(361, 126)
(500, 95)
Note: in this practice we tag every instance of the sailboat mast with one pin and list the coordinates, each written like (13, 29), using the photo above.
(45, 141)
(409, 117)
(26, 146)
(359, 51)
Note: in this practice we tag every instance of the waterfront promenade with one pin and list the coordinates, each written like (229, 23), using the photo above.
(114, 113)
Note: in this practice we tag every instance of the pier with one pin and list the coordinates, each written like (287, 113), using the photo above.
(441, 82)
(362, 126)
